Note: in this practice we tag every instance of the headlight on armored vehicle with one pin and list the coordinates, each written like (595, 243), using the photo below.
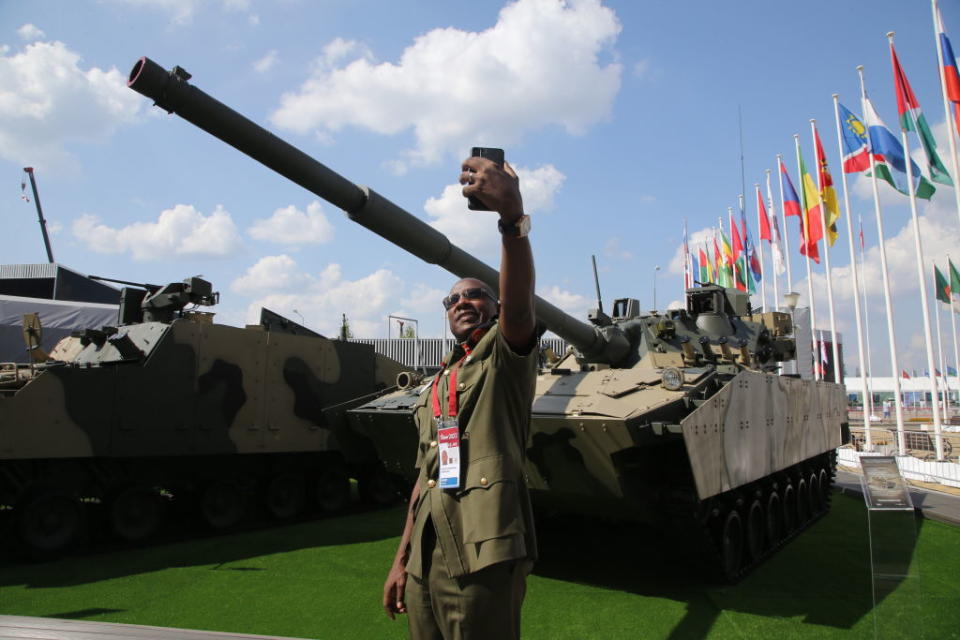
(672, 379)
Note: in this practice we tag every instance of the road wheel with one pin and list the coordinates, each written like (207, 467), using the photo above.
(825, 487)
(222, 504)
(774, 519)
(49, 522)
(803, 501)
(332, 490)
(816, 496)
(136, 513)
(756, 526)
(789, 509)
(286, 496)
(731, 545)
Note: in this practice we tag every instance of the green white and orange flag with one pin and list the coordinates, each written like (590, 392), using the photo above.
(812, 228)
(827, 193)
(912, 119)
(943, 287)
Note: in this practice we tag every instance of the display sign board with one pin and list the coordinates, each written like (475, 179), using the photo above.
(883, 486)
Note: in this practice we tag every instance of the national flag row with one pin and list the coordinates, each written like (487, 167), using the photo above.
(868, 147)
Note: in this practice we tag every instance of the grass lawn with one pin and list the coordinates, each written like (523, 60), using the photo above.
(323, 579)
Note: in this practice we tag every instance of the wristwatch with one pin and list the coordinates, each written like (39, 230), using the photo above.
(519, 228)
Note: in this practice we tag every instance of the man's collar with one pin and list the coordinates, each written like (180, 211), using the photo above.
(476, 334)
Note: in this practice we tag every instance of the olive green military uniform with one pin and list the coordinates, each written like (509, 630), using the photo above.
(472, 547)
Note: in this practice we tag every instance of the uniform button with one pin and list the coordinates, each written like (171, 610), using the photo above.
(431, 483)
(467, 359)
(461, 386)
(447, 372)
(433, 443)
(483, 481)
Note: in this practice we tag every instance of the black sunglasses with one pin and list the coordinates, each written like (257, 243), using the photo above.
(467, 294)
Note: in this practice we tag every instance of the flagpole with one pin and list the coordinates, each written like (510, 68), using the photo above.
(837, 377)
(866, 321)
(953, 325)
(891, 333)
(783, 214)
(937, 29)
(936, 314)
(776, 285)
(763, 280)
(856, 277)
(806, 239)
(747, 276)
(918, 245)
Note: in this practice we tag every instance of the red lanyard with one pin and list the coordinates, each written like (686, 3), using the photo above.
(451, 389)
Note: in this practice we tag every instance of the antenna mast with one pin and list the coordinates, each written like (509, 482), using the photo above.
(596, 282)
(43, 223)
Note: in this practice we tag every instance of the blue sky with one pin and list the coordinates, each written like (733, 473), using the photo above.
(621, 116)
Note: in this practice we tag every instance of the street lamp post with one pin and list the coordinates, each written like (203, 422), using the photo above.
(416, 335)
(302, 321)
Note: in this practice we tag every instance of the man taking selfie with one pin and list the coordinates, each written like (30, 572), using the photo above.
(468, 542)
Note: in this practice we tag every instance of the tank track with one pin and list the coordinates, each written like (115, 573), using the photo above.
(732, 533)
(48, 507)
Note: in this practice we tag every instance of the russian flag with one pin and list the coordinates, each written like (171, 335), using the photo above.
(888, 154)
(791, 201)
(856, 150)
(951, 78)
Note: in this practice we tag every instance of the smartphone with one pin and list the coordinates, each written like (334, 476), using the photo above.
(490, 153)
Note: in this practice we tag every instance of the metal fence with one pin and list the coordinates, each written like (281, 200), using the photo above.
(420, 353)
(945, 473)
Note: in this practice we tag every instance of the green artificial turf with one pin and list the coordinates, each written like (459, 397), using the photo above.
(595, 580)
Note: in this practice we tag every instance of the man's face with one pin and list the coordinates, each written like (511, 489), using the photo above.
(466, 313)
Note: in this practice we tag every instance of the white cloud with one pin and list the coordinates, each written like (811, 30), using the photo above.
(321, 298)
(30, 32)
(476, 231)
(178, 232)
(454, 88)
(182, 12)
(47, 100)
(572, 303)
(270, 273)
(421, 299)
(697, 239)
(289, 225)
(267, 62)
(614, 251)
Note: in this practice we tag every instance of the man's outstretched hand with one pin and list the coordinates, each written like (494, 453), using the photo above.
(497, 188)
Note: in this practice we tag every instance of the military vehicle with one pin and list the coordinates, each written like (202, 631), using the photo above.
(676, 419)
(169, 409)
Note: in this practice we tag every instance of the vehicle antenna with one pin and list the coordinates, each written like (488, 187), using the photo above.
(596, 281)
(43, 223)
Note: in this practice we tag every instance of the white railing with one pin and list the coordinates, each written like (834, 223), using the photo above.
(944, 473)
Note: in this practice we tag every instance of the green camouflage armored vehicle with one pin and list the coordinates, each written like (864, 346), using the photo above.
(676, 419)
(166, 407)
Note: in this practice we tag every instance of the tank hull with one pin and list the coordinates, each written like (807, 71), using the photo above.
(193, 413)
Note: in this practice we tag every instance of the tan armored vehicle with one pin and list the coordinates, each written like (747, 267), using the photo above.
(168, 409)
(676, 419)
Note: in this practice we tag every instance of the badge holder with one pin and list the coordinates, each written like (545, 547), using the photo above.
(448, 441)
(892, 530)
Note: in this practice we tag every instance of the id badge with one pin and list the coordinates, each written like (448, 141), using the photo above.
(448, 442)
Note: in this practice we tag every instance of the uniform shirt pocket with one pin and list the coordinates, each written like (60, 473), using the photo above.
(490, 501)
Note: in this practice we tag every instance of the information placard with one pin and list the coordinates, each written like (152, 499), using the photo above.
(883, 486)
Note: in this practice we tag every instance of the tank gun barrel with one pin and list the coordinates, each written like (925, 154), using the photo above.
(171, 91)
